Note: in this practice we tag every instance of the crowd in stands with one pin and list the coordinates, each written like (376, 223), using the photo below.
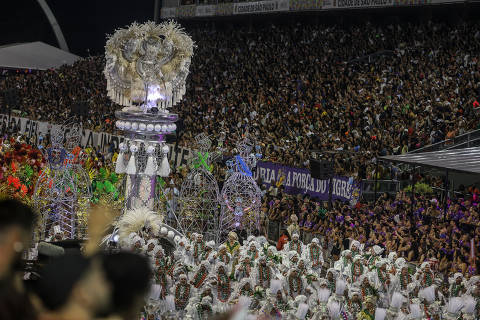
(426, 230)
(300, 88)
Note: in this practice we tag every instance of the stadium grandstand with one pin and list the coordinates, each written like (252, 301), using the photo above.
(362, 117)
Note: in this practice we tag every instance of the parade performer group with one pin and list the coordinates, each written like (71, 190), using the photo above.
(200, 279)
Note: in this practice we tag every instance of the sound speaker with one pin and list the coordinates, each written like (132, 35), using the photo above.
(321, 169)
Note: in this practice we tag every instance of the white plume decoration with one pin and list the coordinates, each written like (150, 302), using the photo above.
(340, 286)
(333, 309)
(323, 294)
(134, 220)
(302, 311)
(454, 305)
(469, 305)
(415, 311)
(428, 294)
(397, 300)
(380, 314)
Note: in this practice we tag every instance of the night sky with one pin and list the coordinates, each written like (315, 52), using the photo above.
(84, 23)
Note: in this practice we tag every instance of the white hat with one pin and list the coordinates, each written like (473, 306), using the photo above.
(210, 244)
(346, 252)
(377, 250)
(455, 277)
(333, 271)
(392, 256)
(354, 243)
(151, 241)
(206, 300)
(291, 254)
(315, 240)
(301, 299)
(272, 248)
(322, 282)
(400, 263)
(136, 239)
(380, 262)
(357, 258)
(353, 291)
(220, 265)
(156, 249)
(295, 235)
(244, 281)
(424, 265)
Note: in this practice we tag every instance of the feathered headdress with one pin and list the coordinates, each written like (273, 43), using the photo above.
(136, 220)
(453, 309)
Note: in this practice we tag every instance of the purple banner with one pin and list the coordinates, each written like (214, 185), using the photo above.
(299, 181)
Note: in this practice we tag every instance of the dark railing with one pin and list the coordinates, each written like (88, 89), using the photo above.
(467, 140)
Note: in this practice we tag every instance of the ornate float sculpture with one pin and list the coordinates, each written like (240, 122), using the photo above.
(199, 197)
(62, 191)
(241, 196)
(146, 68)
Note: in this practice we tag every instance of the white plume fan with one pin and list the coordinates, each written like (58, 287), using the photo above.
(134, 220)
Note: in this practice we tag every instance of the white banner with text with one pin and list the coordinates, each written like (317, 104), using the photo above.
(37, 130)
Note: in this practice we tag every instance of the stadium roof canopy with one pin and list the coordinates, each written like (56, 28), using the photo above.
(34, 55)
(460, 160)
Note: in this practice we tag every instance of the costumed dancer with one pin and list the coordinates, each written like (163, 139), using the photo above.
(314, 256)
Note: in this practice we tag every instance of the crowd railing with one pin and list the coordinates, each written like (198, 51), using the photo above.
(465, 140)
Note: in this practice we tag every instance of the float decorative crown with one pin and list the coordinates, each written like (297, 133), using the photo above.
(147, 65)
